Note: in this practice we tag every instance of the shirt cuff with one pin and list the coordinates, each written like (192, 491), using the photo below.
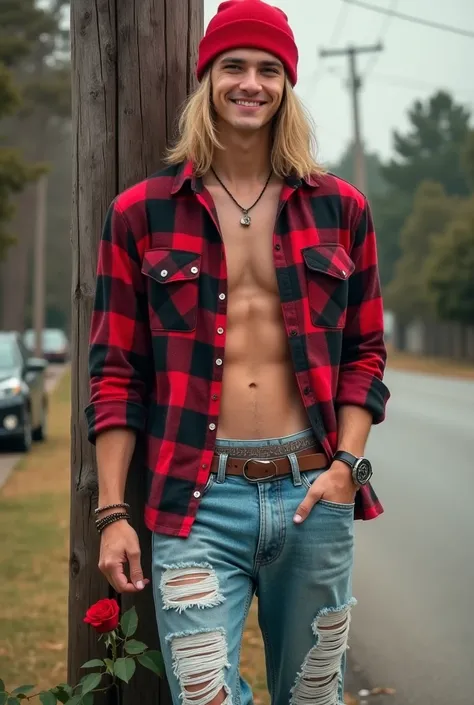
(115, 413)
(358, 388)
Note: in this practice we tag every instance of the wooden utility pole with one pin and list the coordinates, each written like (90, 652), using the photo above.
(39, 264)
(355, 86)
(132, 68)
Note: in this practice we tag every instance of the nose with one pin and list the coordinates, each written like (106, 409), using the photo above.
(250, 82)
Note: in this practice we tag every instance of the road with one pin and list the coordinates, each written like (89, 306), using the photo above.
(413, 628)
(9, 460)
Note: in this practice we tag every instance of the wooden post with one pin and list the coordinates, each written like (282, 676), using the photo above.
(132, 66)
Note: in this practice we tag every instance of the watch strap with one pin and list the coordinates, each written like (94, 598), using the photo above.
(345, 457)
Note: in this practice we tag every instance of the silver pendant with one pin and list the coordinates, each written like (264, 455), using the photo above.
(246, 220)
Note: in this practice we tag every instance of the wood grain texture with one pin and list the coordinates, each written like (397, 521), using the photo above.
(133, 64)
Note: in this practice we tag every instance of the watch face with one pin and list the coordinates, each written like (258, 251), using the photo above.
(363, 471)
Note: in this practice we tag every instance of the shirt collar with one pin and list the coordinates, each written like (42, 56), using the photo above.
(185, 174)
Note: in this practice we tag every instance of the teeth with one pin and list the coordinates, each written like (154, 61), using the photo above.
(247, 103)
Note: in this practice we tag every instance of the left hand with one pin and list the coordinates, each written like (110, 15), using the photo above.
(334, 485)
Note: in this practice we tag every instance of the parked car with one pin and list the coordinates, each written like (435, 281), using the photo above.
(23, 396)
(55, 344)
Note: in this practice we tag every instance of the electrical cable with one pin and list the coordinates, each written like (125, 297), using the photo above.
(386, 22)
(411, 18)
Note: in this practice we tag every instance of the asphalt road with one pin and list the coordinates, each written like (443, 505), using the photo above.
(413, 628)
(9, 460)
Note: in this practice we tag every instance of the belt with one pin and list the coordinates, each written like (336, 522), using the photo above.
(255, 469)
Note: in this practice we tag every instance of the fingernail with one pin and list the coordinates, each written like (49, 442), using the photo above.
(297, 519)
(140, 585)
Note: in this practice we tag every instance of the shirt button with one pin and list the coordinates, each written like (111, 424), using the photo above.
(344, 273)
(194, 270)
(277, 247)
(219, 362)
(220, 331)
(222, 297)
(197, 494)
(212, 426)
(307, 391)
(164, 272)
(215, 397)
(293, 333)
(204, 466)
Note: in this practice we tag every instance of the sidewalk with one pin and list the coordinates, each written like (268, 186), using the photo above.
(359, 686)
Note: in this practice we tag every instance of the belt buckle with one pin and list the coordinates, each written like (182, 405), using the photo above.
(262, 462)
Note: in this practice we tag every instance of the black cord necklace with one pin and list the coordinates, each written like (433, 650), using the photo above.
(245, 220)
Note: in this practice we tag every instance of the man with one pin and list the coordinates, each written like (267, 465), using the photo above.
(238, 324)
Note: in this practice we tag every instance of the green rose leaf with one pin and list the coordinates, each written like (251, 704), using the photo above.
(135, 647)
(2, 687)
(22, 690)
(13, 701)
(3, 696)
(153, 660)
(110, 665)
(48, 698)
(88, 699)
(76, 700)
(63, 692)
(90, 682)
(93, 664)
(124, 668)
(129, 622)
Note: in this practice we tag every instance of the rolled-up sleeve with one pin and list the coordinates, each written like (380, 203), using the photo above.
(120, 349)
(363, 351)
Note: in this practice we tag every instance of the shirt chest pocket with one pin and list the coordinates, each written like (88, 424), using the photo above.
(327, 271)
(172, 287)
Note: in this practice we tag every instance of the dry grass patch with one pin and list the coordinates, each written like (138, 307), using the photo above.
(429, 365)
(34, 519)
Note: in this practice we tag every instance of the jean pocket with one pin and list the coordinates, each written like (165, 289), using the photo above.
(338, 506)
(308, 477)
(208, 486)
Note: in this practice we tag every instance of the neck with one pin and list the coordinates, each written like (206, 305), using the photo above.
(244, 157)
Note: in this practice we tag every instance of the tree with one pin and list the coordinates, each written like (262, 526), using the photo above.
(450, 268)
(345, 169)
(432, 212)
(432, 147)
(430, 150)
(14, 173)
(41, 70)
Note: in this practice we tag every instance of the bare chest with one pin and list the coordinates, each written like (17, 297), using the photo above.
(249, 250)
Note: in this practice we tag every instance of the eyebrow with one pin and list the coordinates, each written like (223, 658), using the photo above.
(267, 63)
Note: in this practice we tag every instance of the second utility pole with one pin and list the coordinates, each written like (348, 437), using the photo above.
(355, 86)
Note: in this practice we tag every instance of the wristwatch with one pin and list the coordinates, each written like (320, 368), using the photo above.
(361, 468)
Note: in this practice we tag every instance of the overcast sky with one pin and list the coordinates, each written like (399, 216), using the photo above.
(416, 61)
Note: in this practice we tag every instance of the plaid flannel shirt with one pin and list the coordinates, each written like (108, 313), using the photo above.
(159, 322)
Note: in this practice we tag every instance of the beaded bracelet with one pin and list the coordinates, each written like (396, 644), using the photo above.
(121, 505)
(111, 519)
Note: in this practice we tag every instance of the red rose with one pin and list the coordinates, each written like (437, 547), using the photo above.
(103, 616)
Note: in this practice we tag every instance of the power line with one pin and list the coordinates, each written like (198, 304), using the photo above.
(339, 25)
(386, 22)
(412, 18)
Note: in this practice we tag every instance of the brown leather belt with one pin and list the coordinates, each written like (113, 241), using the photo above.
(255, 469)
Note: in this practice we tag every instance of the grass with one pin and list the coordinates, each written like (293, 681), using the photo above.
(429, 365)
(34, 517)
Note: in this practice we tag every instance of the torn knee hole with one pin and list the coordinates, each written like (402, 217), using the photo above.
(190, 586)
(318, 681)
(199, 662)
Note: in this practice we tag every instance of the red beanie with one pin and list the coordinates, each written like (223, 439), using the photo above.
(253, 24)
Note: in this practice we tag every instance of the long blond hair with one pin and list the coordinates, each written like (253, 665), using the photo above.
(293, 134)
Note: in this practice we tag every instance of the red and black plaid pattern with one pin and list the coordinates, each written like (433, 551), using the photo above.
(158, 329)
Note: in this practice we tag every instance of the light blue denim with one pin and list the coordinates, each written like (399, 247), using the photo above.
(244, 542)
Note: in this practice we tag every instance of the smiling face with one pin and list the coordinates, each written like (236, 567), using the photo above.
(247, 88)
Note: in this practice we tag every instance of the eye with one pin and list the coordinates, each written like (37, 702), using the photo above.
(272, 70)
(232, 67)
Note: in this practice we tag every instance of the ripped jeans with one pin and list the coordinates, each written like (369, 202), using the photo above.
(244, 542)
